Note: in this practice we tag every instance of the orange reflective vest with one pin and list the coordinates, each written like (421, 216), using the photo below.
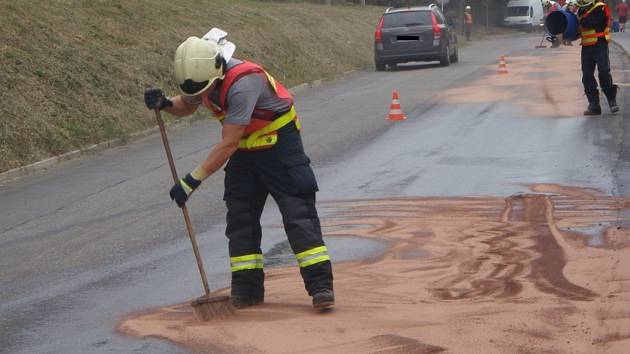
(467, 18)
(262, 131)
(589, 35)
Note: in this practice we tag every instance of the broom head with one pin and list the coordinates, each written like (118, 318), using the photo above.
(212, 307)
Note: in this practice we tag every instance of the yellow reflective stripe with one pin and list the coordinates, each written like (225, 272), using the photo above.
(248, 261)
(315, 261)
(250, 141)
(311, 252)
(272, 81)
(266, 140)
(246, 267)
(247, 257)
(186, 187)
(592, 9)
(312, 256)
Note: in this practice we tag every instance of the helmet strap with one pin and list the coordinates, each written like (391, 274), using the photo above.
(219, 62)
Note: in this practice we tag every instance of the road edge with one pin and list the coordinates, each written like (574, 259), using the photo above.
(620, 45)
(13, 174)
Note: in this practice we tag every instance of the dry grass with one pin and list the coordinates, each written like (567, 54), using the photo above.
(73, 71)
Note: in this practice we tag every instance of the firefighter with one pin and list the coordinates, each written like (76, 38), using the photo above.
(571, 6)
(595, 19)
(261, 139)
(551, 6)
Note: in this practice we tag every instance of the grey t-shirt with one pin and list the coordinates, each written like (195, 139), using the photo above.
(249, 92)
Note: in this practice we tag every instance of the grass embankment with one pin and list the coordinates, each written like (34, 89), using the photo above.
(73, 72)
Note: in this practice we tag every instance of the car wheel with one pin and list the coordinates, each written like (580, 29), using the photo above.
(455, 56)
(445, 59)
(380, 66)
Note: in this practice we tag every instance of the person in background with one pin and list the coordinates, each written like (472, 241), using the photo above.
(551, 6)
(468, 22)
(571, 6)
(622, 13)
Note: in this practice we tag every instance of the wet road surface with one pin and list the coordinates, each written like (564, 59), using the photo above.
(97, 238)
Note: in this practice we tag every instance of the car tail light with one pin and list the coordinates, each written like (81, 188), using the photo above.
(437, 31)
(379, 32)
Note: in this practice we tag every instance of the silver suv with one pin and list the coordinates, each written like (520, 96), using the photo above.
(419, 33)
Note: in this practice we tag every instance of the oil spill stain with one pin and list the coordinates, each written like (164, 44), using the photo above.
(456, 270)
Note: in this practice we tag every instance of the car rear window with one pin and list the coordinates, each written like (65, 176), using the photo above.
(407, 18)
(518, 11)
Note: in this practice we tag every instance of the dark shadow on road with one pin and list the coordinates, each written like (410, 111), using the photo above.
(413, 66)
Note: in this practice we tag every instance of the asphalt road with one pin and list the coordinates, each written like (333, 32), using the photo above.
(95, 239)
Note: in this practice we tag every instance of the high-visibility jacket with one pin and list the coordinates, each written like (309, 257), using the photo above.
(590, 35)
(262, 131)
(468, 18)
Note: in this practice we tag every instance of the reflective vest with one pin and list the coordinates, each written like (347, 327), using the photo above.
(589, 35)
(262, 131)
(467, 18)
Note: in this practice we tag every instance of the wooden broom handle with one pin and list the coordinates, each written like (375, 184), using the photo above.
(191, 232)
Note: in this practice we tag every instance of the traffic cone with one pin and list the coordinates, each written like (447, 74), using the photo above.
(502, 66)
(395, 113)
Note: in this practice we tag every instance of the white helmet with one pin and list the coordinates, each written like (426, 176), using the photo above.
(468, 8)
(585, 3)
(198, 63)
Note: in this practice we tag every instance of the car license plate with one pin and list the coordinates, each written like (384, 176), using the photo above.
(408, 38)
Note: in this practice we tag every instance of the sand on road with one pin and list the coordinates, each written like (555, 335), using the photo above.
(542, 272)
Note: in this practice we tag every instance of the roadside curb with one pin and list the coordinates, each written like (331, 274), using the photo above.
(618, 44)
(52, 161)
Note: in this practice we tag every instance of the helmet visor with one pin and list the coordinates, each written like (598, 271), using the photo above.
(191, 88)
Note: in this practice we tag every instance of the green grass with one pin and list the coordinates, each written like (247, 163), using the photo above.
(73, 71)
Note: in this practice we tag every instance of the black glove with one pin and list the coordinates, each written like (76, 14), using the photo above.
(182, 190)
(154, 98)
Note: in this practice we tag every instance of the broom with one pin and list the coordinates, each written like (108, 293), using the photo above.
(542, 40)
(206, 307)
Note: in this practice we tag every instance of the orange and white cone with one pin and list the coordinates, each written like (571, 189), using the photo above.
(502, 66)
(395, 113)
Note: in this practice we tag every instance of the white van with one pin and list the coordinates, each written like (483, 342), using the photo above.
(526, 14)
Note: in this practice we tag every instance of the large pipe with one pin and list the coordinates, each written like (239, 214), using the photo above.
(563, 22)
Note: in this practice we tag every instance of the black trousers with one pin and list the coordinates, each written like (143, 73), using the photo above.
(284, 172)
(596, 55)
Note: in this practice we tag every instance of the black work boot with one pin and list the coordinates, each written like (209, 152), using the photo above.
(323, 299)
(594, 109)
(612, 99)
(241, 302)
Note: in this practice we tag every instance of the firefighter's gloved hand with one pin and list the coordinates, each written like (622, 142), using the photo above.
(183, 189)
(155, 98)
